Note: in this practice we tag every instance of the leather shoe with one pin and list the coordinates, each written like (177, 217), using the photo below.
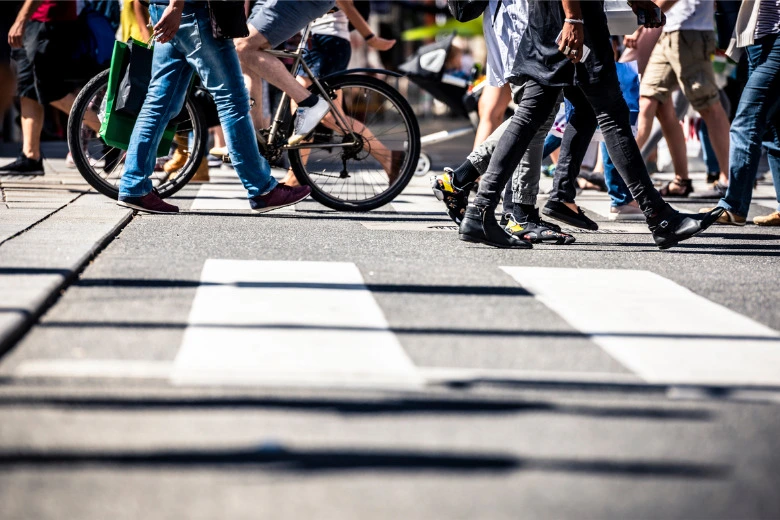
(479, 225)
(676, 227)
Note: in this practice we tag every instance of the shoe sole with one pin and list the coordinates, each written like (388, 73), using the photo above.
(266, 210)
(145, 210)
(467, 238)
(565, 218)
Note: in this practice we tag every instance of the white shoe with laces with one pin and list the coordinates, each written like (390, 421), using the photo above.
(306, 118)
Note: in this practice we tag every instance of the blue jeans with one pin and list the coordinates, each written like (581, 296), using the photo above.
(551, 143)
(707, 152)
(756, 119)
(616, 186)
(216, 62)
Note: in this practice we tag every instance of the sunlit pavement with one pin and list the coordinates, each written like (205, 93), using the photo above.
(315, 364)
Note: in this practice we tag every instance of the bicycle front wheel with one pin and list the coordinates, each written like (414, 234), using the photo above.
(360, 175)
(101, 165)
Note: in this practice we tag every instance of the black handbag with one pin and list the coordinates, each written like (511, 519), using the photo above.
(136, 76)
(228, 19)
(467, 10)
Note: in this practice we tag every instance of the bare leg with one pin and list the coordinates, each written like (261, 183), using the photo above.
(378, 150)
(675, 139)
(647, 109)
(32, 126)
(492, 106)
(258, 65)
(66, 103)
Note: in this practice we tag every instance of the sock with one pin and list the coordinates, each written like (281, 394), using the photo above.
(309, 101)
(520, 212)
(464, 175)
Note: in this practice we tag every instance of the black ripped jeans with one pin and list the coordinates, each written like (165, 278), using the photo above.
(599, 104)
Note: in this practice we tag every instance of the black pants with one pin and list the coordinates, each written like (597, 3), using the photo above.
(599, 104)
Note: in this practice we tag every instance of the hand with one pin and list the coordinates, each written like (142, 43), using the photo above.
(16, 35)
(631, 40)
(651, 22)
(380, 44)
(169, 22)
(572, 38)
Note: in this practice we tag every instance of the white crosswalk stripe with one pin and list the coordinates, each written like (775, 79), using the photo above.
(225, 193)
(661, 331)
(268, 322)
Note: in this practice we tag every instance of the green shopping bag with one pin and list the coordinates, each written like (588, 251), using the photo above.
(116, 128)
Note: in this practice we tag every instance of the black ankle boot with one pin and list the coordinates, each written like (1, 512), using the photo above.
(672, 228)
(479, 225)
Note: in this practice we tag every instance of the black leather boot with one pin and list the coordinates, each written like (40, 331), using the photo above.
(670, 229)
(479, 225)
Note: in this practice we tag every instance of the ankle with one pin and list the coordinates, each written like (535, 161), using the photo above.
(464, 175)
(309, 101)
(572, 206)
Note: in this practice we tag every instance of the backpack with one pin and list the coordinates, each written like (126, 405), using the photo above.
(467, 10)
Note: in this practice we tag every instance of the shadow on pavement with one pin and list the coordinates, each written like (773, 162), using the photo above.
(469, 290)
(434, 331)
(280, 459)
(400, 406)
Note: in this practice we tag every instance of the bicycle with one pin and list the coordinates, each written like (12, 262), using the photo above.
(370, 123)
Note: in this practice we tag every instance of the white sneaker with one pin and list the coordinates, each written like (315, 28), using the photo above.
(306, 118)
(626, 212)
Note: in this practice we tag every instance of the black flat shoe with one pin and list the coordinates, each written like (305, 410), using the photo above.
(560, 211)
(480, 226)
(676, 227)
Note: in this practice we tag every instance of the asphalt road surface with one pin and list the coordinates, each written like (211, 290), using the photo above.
(314, 364)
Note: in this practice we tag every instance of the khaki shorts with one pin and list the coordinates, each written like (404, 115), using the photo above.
(682, 57)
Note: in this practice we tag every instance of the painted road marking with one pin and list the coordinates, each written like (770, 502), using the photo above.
(94, 368)
(288, 323)
(225, 193)
(661, 331)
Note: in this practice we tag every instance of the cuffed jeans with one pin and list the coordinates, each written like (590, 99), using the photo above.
(756, 121)
(216, 62)
(599, 104)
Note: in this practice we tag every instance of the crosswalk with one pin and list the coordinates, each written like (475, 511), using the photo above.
(310, 324)
(226, 193)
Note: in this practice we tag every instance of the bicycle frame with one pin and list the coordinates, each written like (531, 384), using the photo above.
(284, 103)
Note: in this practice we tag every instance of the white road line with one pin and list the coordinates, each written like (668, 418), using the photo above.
(601, 207)
(661, 331)
(289, 323)
(94, 368)
(225, 193)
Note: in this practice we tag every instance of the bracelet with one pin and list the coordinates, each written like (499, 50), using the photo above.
(574, 21)
(370, 35)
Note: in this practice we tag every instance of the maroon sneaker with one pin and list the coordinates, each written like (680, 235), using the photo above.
(279, 197)
(150, 203)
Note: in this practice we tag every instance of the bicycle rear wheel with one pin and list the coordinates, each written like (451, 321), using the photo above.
(378, 167)
(101, 165)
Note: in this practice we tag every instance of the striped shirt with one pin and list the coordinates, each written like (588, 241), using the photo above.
(768, 18)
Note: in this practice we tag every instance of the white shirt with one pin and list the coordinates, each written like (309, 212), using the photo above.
(503, 31)
(332, 24)
(691, 15)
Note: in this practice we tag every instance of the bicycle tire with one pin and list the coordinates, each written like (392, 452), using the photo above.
(86, 164)
(321, 193)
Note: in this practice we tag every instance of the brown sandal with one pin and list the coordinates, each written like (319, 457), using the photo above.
(685, 184)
